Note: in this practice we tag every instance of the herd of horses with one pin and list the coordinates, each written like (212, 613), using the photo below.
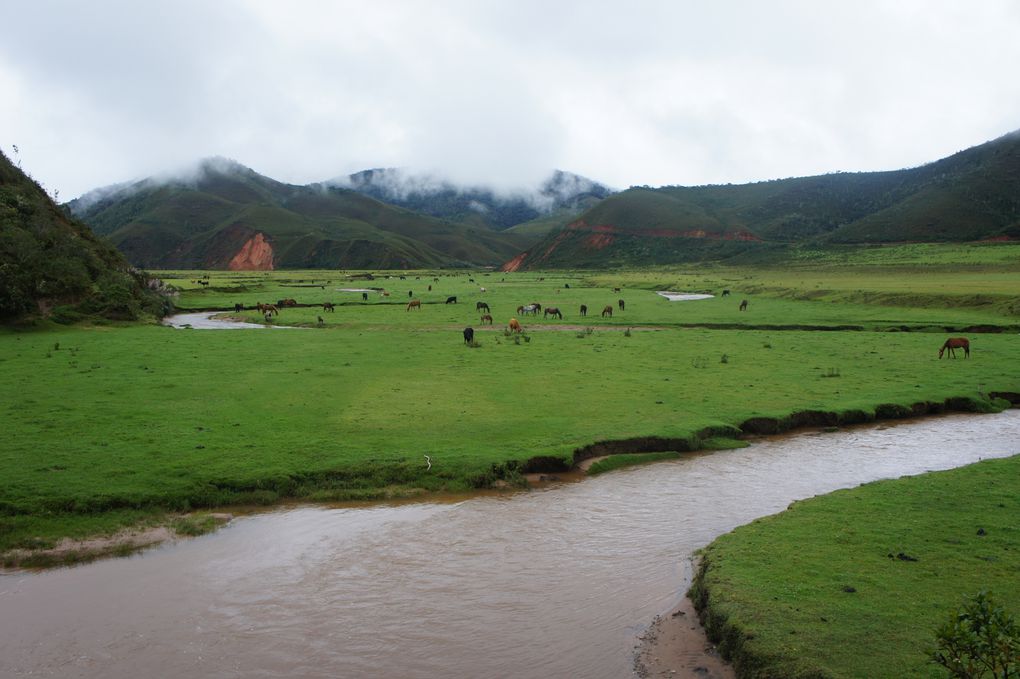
(532, 309)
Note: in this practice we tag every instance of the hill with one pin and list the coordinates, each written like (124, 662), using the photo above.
(971, 195)
(224, 215)
(54, 266)
(563, 195)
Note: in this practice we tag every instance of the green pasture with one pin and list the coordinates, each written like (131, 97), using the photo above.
(111, 423)
(854, 584)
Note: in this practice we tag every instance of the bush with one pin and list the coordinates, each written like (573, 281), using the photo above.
(978, 640)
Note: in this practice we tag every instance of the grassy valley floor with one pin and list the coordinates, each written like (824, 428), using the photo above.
(854, 584)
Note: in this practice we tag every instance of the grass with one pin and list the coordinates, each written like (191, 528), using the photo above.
(854, 584)
(106, 423)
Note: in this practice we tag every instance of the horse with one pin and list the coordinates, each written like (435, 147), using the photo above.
(469, 336)
(327, 306)
(287, 302)
(620, 302)
(743, 305)
(608, 311)
(530, 309)
(955, 343)
(725, 293)
(487, 318)
(584, 309)
(481, 305)
(414, 304)
(267, 308)
(616, 289)
(515, 325)
(552, 311)
(410, 293)
(451, 300)
(364, 297)
(238, 307)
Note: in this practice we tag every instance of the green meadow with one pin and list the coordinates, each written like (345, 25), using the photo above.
(112, 425)
(855, 583)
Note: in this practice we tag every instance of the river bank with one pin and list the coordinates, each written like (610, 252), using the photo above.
(572, 572)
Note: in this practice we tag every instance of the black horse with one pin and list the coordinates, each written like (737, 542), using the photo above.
(469, 335)
(451, 300)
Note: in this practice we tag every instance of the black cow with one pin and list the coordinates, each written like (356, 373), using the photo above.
(451, 300)
(469, 335)
(584, 309)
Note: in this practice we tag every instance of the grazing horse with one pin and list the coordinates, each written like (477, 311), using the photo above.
(451, 300)
(552, 311)
(487, 318)
(469, 335)
(327, 306)
(743, 305)
(414, 304)
(267, 308)
(515, 325)
(287, 302)
(725, 293)
(955, 343)
(238, 307)
(584, 309)
(481, 305)
(620, 302)
(530, 309)
(608, 311)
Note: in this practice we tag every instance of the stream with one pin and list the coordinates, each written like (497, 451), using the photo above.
(558, 581)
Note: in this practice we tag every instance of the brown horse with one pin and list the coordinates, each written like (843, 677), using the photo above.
(608, 311)
(487, 318)
(327, 306)
(743, 305)
(287, 302)
(267, 308)
(954, 343)
(552, 311)
(414, 304)
(515, 325)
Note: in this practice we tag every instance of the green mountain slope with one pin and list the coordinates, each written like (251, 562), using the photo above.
(972, 195)
(228, 216)
(54, 266)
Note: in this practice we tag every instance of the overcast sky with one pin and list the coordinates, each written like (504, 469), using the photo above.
(501, 93)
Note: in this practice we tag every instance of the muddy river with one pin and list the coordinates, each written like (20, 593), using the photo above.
(555, 582)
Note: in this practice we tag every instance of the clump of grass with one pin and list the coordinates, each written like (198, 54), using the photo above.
(474, 344)
(725, 358)
(832, 372)
(195, 524)
(699, 362)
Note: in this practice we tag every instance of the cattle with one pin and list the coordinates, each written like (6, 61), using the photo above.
(364, 297)
(410, 293)
(481, 305)
(515, 325)
(487, 318)
(238, 307)
(584, 309)
(469, 335)
(451, 300)
(430, 288)
(552, 311)
(743, 305)
(725, 293)
(608, 311)
(414, 304)
(616, 289)
(566, 285)
(620, 302)
(327, 306)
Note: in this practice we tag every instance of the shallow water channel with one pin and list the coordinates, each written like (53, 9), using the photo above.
(555, 582)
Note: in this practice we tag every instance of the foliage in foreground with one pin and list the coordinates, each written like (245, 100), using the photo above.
(852, 584)
(979, 640)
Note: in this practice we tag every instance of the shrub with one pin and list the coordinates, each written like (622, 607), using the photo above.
(978, 640)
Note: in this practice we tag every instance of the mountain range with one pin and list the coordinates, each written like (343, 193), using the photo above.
(225, 215)
(971, 195)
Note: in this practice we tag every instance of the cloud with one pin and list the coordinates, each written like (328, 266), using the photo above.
(501, 93)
